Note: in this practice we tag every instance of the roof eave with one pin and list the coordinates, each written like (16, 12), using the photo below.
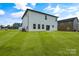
(67, 19)
(24, 13)
(38, 12)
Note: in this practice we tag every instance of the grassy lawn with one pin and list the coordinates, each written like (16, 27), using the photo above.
(17, 43)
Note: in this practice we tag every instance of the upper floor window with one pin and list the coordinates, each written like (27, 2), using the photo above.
(45, 17)
(38, 26)
(34, 26)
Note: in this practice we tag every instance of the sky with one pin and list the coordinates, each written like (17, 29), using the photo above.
(12, 12)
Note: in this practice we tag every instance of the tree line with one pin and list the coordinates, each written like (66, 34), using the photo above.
(14, 26)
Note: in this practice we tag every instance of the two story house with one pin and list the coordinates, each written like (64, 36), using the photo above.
(37, 21)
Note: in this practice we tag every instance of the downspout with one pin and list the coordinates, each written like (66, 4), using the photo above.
(28, 21)
(77, 25)
(57, 23)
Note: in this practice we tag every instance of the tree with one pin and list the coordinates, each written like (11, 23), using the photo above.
(1, 26)
(16, 25)
(8, 27)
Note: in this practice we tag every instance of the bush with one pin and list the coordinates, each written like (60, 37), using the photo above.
(23, 30)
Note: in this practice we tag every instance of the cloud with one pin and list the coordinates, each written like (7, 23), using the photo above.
(33, 4)
(58, 9)
(17, 14)
(63, 12)
(72, 11)
(73, 8)
(21, 6)
(2, 12)
(76, 14)
(48, 8)
(70, 15)
(9, 21)
(57, 14)
(54, 10)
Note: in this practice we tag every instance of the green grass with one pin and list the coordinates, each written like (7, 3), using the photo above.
(17, 43)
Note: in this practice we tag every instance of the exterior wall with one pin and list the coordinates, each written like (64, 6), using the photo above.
(37, 18)
(72, 24)
(75, 24)
(0, 27)
(25, 22)
(65, 25)
(78, 25)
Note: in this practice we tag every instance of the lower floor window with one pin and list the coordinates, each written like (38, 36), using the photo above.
(38, 26)
(52, 26)
(42, 26)
(34, 26)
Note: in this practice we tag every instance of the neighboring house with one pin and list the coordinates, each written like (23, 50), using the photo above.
(37, 21)
(70, 24)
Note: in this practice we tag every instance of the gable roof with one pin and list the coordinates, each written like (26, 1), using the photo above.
(37, 12)
(68, 19)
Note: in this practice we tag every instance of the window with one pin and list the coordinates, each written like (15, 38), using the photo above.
(52, 26)
(34, 26)
(45, 17)
(42, 26)
(38, 26)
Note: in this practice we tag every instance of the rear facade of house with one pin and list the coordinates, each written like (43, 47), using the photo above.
(70, 24)
(37, 21)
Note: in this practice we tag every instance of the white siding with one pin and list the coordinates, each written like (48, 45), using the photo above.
(25, 21)
(78, 25)
(75, 24)
(37, 18)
